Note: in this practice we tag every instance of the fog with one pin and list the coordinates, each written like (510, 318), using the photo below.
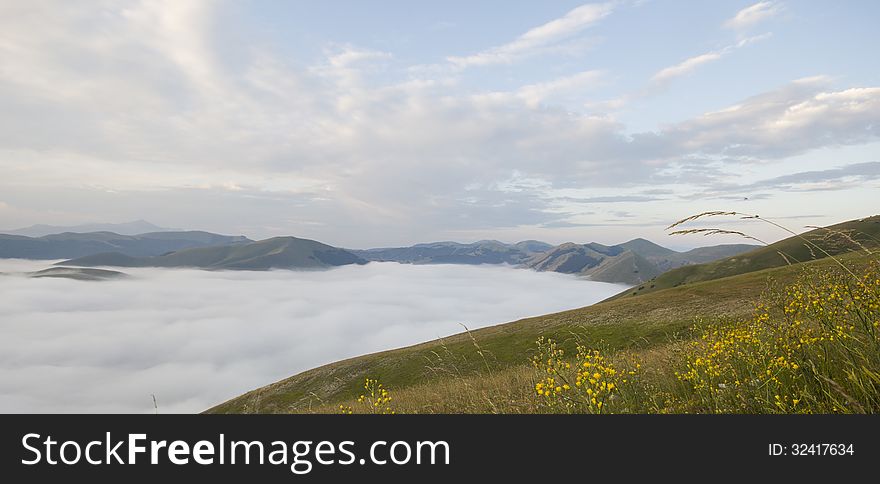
(197, 338)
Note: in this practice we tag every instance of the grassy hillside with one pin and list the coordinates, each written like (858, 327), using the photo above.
(624, 267)
(834, 240)
(644, 323)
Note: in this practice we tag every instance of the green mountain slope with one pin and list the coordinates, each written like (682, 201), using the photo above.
(835, 239)
(274, 253)
(627, 266)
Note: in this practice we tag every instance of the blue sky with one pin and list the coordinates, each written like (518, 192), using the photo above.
(383, 123)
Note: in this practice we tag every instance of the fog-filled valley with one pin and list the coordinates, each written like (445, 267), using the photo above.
(194, 338)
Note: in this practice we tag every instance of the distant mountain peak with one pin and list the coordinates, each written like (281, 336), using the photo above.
(68, 245)
(135, 227)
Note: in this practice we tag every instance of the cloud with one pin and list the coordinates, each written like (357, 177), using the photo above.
(685, 66)
(70, 346)
(690, 64)
(611, 199)
(823, 179)
(839, 178)
(793, 119)
(534, 95)
(753, 15)
(548, 34)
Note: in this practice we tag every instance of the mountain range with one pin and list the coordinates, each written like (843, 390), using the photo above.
(72, 245)
(127, 228)
(274, 253)
(632, 262)
(482, 252)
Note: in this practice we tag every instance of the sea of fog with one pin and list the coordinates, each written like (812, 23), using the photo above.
(197, 338)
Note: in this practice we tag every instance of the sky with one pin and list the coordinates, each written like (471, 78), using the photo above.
(364, 124)
(72, 346)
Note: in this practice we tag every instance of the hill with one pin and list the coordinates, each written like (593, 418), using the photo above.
(835, 239)
(78, 273)
(69, 245)
(274, 253)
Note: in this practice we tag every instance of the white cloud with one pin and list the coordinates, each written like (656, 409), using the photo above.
(349, 55)
(798, 117)
(71, 346)
(690, 64)
(686, 66)
(539, 37)
(533, 95)
(753, 15)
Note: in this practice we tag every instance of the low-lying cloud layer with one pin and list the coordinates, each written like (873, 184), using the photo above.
(196, 338)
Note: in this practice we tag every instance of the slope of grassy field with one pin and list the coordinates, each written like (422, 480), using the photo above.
(643, 324)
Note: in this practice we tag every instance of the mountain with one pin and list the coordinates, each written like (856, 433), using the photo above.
(532, 246)
(835, 239)
(127, 228)
(72, 245)
(632, 262)
(482, 252)
(274, 253)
